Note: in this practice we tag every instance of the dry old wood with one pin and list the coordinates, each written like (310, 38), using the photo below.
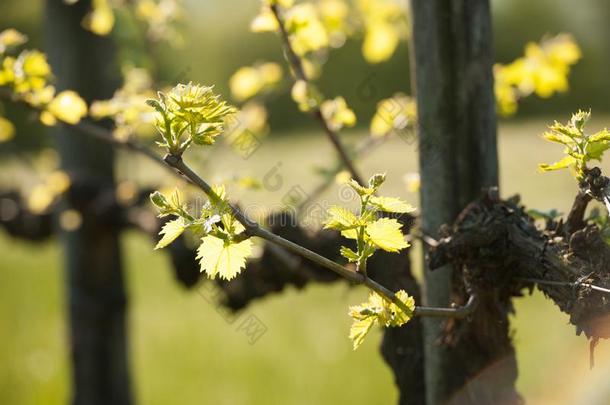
(495, 245)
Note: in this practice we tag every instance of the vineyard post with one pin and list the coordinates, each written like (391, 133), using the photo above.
(83, 62)
(452, 64)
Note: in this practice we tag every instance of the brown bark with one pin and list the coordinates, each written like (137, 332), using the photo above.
(501, 251)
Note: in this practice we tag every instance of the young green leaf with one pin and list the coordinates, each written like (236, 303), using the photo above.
(218, 257)
(376, 180)
(156, 105)
(369, 232)
(558, 137)
(349, 254)
(340, 219)
(360, 329)
(603, 135)
(378, 311)
(391, 204)
(580, 148)
(400, 317)
(159, 200)
(385, 233)
(361, 190)
(579, 119)
(595, 150)
(561, 164)
(350, 234)
(191, 111)
(171, 230)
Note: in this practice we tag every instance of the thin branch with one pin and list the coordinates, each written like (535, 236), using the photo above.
(297, 66)
(253, 229)
(426, 239)
(293, 59)
(104, 135)
(575, 220)
(457, 312)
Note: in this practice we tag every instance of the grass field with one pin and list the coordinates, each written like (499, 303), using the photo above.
(183, 351)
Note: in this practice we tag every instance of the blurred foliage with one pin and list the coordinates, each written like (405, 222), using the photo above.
(215, 48)
(532, 20)
(543, 70)
(27, 78)
(128, 105)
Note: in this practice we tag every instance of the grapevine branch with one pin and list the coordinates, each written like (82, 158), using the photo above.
(254, 229)
(297, 66)
(100, 133)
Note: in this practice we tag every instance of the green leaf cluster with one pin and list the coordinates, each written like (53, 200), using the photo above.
(369, 231)
(224, 247)
(372, 233)
(189, 113)
(378, 311)
(580, 148)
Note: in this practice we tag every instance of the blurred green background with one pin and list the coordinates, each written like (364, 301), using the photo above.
(218, 42)
(182, 349)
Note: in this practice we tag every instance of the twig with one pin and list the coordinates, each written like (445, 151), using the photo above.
(297, 66)
(253, 229)
(576, 216)
(426, 239)
(457, 313)
(104, 135)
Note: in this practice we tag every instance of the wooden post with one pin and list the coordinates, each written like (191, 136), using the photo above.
(84, 62)
(452, 64)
